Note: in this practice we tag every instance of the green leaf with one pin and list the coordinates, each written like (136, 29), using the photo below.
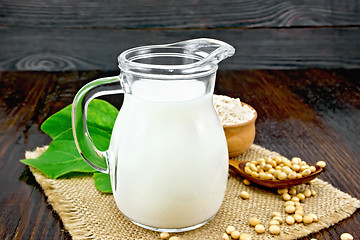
(62, 157)
(101, 115)
(102, 182)
(58, 123)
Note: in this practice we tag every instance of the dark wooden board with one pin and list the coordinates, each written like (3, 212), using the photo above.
(313, 114)
(178, 14)
(27, 99)
(90, 49)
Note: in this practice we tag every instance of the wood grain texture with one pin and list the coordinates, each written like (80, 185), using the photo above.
(55, 35)
(313, 114)
(26, 101)
(178, 14)
(88, 49)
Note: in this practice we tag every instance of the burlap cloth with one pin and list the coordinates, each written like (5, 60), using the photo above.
(88, 214)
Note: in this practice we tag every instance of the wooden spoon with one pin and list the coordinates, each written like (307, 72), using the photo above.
(238, 167)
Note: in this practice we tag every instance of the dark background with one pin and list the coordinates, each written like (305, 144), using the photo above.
(55, 35)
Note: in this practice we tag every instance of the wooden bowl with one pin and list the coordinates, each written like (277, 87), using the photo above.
(240, 136)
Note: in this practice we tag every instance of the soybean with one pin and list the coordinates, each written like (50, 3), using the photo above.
(274, 222)
(307, 193)
(235, 234)
(315, 218)
(244, 195)
(307, 219)
(321, 164)
(260, 228)
(254, 221)
(245, 236)
(276, 214)
(290, 209)
(246, 182)
(164, 235)
(274, 229)
(230, 229)
(174, 238)
(225, 237)
(290, 220)
(298, 218)
(346, 236)
(286, 197)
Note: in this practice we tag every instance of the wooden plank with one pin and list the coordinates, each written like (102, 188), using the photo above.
(88, 49)
(178, 14)
(24, 104)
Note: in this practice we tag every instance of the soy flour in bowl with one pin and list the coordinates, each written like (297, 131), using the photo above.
(231, 111)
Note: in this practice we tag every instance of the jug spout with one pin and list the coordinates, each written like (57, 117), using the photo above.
(211, 50)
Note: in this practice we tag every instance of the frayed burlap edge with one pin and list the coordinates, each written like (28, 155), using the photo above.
(75, 223)
(326, 221)
(68, 213)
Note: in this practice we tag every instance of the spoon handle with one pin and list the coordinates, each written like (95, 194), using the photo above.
(234, 165)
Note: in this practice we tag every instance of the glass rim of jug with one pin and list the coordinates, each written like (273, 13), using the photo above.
(181, 60)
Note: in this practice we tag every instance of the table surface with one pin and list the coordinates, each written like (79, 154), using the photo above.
(308, 99)
(312, 113)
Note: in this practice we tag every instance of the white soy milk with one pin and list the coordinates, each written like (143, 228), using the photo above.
(170, 156)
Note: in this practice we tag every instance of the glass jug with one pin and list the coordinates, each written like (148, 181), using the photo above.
(167, 159)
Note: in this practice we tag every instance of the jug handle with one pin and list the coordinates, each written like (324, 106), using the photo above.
(88, 151)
